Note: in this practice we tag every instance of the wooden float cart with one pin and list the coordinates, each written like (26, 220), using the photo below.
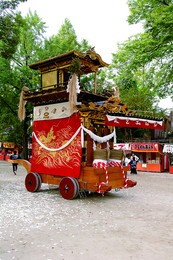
(66, 127)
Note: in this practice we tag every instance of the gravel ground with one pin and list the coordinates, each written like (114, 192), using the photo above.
(132, 224)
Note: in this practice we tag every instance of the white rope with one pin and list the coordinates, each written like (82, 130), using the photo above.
(99, 139)
(60, 148)
(96, 138)
(94, 145)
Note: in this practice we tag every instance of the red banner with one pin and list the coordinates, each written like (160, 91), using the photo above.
(50, 135)
(146, 147)
(133, 122)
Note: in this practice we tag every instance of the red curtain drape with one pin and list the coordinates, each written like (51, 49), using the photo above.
(54, 134)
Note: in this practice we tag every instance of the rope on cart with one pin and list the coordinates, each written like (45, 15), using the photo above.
(104, 165)
(60, 148)
(91, 134)
(99, 139)
(114, 164)
(99, 165)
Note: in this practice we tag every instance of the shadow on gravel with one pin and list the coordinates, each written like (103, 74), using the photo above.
(89, 195)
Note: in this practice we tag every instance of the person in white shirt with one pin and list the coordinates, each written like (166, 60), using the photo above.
(127, 160)
(134, 156)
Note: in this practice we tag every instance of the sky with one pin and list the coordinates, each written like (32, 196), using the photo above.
(103, 23)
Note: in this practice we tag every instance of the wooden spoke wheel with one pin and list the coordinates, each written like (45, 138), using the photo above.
(32, 182)
(69, 188)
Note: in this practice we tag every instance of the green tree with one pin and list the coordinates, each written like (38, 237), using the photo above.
(15, 74)
(28, 50)
(65, 40)
(31, 47)
(146, 58)
(10, 22)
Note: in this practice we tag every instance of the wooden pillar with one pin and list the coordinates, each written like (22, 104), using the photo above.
(104, 131)
(95, 82)
(89, 153)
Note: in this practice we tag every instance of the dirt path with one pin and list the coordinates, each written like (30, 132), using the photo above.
(132, 224)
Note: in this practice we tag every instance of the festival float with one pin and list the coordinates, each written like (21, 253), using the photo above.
(73, 135)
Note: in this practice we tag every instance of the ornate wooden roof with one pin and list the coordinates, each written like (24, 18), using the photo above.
(90, 61)
(114, 106)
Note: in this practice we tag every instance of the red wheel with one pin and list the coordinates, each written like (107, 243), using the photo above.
(32, 182)
(69, 188)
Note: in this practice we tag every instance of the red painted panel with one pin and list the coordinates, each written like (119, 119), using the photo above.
(154, 168)
(54, 134)
(149, 167)
(171, 169)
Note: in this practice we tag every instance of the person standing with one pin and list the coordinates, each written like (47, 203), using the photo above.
(134, 156)
(15, 156)
(127, 160)
(133, 165)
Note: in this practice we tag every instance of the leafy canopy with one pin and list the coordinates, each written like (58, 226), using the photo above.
(65, 40)
(10, 22)
(146, 59)
(18, 48)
